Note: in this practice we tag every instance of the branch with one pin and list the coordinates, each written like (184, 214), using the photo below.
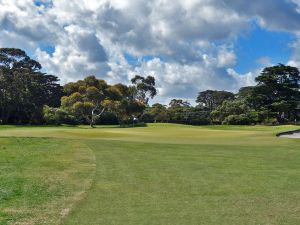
(99, 114)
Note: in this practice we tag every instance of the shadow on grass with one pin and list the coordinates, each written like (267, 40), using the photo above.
(75, 126)
(112, 126)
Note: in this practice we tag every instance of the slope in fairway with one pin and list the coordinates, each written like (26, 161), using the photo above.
(173, 174)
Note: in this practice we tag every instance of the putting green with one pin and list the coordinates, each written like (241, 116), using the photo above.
(161, 174)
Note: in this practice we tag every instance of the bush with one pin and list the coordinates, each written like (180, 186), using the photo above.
(241, 119)
(271, 121)
(107, 118)
(147, 118)
(58, 116)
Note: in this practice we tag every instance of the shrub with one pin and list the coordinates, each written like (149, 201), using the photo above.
(107, 118)
(241, 119)
(271, 121)
(58, 116)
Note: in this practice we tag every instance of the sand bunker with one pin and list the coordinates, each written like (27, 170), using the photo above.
(295, 134)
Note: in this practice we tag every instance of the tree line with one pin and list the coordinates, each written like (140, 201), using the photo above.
(275, 99)
(29, 96)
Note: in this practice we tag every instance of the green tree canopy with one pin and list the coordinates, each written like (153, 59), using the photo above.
(85, 98)
(24, 89)
(144, 88)
(278, 92)
(159, 112)
(125, 106)
(212, 99)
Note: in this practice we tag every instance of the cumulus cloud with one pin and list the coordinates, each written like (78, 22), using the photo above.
(295, 59)
(190, 43)
(264, 61)
(226, 58)
(272, 14)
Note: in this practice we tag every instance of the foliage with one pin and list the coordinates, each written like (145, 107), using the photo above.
(212, 99)
(88, 99)
(229, 108)
(274, 100)
(277, 91)
(29, 96)
(125, 106)
(58, 116)
(179, 111)
(144, 88)
(241, 119)
(24, 89)
(107, 118)
(85, 99)
(156, 113)
(159, 112)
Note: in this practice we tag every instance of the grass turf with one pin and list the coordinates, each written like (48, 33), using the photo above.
(161, 174)
(41, 179)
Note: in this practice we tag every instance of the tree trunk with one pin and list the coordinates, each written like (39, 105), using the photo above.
(92, 122)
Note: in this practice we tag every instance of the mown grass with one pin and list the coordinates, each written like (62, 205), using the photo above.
(41, 179)
(160, 174)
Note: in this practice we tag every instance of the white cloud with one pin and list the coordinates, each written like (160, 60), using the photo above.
(247, 79)
(91, 37)
(226, 58)
(264, 61)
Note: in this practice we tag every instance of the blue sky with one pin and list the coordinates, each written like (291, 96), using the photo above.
(261, 43)
(188, 46)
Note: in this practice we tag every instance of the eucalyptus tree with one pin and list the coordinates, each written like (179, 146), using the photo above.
(85, 98)
(144, 88)
(159, 113)
(124, 103)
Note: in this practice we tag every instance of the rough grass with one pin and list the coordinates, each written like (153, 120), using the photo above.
(160, 174)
